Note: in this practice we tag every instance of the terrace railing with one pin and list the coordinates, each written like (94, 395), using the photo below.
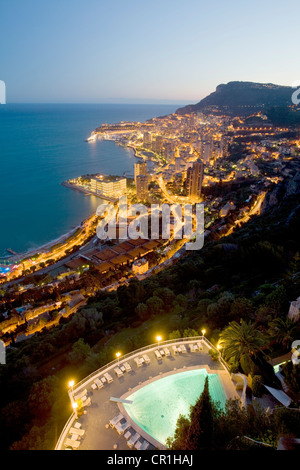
(150, 347)
(125, 357)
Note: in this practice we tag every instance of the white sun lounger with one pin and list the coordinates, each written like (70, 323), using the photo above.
(167, 352)
(146, 358)
(157, 354)
(115, 420)
(79, 432)
(175, 349)
(138, 361)
(183, 348)
(80, 395)
(133, 440)
(118, 371)
(193, 347)
(121, 428)
(72, 443)
(200, 346)
(99, 383)
(127, 367)
(138, 445)
(108, 377)
(86, 402)
(145, 445)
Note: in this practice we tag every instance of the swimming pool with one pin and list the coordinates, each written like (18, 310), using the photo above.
(156, 406)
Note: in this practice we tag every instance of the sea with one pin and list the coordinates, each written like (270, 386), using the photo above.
(42, 145)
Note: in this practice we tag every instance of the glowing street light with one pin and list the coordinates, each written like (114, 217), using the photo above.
(118, 354)
(203, 332)
(70, 392)
(158, 339)
(71, 384)
(75, 406)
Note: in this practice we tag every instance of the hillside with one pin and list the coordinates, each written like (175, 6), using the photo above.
(243, 98)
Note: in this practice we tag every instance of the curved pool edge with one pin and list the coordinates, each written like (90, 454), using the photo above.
(133, 423)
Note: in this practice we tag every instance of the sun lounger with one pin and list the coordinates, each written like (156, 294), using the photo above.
(80, 395)
(99, 383)
(127, 367)
(193, 347)
(79, 432)
(118, 371)
(138, 361)
(138, 445)
(121, 428)
(108, 377)
(167, 352)
(175, 349)
(115, 420)
(200, 346)
(133, 440)
(72, 443)
(145, 445)
(86, 402)
(183, 348)
(157, 354)
(146, 358)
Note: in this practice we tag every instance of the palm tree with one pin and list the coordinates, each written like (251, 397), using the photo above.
(241, 342)
(283, 331)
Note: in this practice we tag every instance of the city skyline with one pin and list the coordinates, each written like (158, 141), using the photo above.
(119, 52)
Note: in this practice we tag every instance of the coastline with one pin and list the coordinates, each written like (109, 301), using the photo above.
(47, 247)
(15, 259)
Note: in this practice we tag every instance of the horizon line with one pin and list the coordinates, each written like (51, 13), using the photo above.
(148, 102)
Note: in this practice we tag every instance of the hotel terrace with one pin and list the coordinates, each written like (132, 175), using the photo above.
(105, 397)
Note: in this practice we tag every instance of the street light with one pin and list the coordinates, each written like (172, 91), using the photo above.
(158, 339)
(203, 332)
(118, 354)
(75, 406)
(71, 385)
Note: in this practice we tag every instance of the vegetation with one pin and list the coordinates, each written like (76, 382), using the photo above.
(209, 427)
(241, 283)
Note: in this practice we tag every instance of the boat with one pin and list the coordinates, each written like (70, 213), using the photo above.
(92, 138)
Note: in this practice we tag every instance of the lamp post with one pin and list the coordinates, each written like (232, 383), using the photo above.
(158, 339)
(71, 385)
(118, 354)
(75, 406)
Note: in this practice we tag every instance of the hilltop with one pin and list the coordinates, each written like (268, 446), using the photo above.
(243, 98)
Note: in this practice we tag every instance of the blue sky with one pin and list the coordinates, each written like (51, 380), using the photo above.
(143, 51)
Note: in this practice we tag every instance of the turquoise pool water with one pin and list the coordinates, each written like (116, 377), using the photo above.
(156, 406)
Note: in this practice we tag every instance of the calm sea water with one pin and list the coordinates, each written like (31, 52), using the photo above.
(43, 145)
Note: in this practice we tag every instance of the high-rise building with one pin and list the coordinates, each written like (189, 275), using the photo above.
(147, 139)
(206, 151)
(109, 188)
(140, 168)
(142, 183)
(194, 179)
(157, 145)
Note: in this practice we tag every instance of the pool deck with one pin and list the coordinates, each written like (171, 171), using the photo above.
(95, 421)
